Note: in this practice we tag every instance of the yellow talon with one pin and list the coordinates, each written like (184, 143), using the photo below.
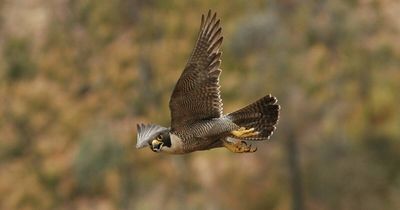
(239, 147)
(242, 132)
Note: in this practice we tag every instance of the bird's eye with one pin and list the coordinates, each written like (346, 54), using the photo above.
(159, 137)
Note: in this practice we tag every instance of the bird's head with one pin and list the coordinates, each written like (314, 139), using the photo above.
(154, 136)
(161, 141)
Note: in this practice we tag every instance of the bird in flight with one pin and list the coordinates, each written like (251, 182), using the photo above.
(197, 120)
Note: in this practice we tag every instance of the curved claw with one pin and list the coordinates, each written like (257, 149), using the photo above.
(239, 147)
(253, 149)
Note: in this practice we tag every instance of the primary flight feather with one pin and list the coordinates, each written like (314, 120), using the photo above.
(197, 119)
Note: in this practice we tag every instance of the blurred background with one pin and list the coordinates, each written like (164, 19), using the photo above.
(76, 77)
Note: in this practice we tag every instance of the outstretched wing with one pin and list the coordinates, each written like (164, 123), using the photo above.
(196, 95)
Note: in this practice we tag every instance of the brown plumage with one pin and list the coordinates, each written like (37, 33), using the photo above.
(199, 81)
(261, 115)
(197, 120)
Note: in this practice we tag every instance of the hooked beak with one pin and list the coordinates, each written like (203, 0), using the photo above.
(156, 145)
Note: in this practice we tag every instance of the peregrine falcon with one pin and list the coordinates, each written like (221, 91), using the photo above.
(197, 121)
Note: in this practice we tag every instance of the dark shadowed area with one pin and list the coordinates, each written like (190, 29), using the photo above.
(77, 76)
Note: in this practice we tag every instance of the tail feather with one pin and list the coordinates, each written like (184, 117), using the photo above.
(261, 115)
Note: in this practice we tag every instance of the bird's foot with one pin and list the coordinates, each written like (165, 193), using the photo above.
(239, 147)
(242, 132)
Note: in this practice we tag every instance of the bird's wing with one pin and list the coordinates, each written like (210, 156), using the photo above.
(146, 133)
(196, 95)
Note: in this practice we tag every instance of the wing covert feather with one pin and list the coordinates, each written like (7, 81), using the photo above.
(196, 95)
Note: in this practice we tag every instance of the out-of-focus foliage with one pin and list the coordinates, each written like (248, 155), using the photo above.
(76, 77)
